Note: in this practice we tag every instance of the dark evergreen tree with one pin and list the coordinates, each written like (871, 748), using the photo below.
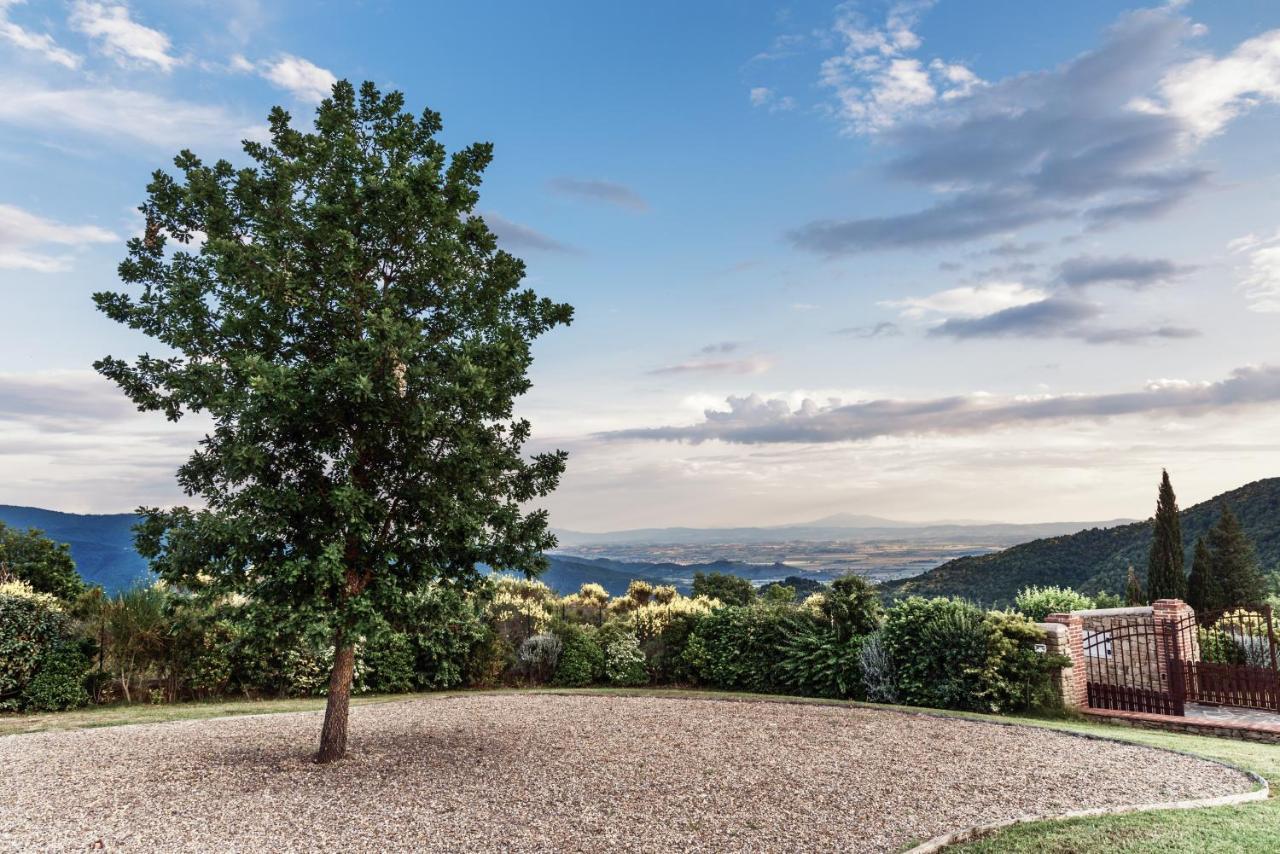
(1165, 576)
(1201, 594)
(1239, 579)
(1133, 594)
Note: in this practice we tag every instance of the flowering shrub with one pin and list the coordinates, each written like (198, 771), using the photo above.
(651, 620)
(623, 659)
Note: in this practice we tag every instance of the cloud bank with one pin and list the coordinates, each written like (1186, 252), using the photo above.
(755, 420)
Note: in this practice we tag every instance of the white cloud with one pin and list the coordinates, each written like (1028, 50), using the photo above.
(119, 114)
(969, 301)
(1261, 278)
(1209, 92)
(876, 84)
(41, 43)
(24, 235)
(306, 80)
(760, 96)
(123, 39)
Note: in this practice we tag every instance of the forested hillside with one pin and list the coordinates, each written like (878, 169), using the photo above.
(1096, 559)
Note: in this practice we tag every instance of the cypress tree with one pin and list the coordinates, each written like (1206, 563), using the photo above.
(1202, 581)
(1165, 576)
(1133, 594)
(1239, 579)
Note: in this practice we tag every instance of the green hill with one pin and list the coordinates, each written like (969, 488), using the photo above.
(1096, 559)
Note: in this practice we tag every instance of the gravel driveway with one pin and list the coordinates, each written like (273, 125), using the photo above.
(539, 772)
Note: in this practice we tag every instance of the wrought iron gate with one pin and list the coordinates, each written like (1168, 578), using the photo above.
(1234, 660)
(1133, 665)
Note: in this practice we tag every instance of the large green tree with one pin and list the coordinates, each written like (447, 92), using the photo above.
(728, 588)
(1237, 578)
(32, 557)
(357, 337)
(1166, 578)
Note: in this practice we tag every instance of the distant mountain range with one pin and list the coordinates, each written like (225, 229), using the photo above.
(102, 547)
(1088, 556)
(1098, 558)
(842, 527)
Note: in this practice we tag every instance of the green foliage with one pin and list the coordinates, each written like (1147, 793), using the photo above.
(581, 658)
(445, 626)
(1166, 578)
(852, 606)
(1236, 577)
(623, 658)
(665, 652)
(1202, 583)
(31, 557)
(1036, 603)
(389, 659)
(59, 681)
(41, 666)
(357, 338)
(489, 660)
(950, 654)
(736, 648)
(816, 661)
(777, 594)
(729, 589)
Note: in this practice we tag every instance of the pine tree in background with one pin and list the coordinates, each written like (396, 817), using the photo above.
(1202, 580)
(1239, 579)
(1165, 577)
(1133, 594)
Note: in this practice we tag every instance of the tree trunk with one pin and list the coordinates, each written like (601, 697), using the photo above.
(333, 736)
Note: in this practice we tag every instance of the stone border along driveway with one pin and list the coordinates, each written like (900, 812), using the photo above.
(569, 772)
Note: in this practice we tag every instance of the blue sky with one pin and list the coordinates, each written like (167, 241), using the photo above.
(926, 260)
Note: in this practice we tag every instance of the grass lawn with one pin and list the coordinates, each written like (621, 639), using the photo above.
(1247, 828)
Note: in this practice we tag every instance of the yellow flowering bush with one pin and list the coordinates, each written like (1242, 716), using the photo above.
(648, 621)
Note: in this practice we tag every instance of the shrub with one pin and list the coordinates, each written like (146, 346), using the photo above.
(879, 679)
(736, 648)
(445, 627)
(950, 654)
(938, 648)
(664, 594)
(488, 660)
(1036, 603)
(816, 662)
(41, 666)
(581, 658)
(390, 660)
(649, 621)
(665, 651)
(59, 682)
(853, 607)
(538, 656)
(623, 660)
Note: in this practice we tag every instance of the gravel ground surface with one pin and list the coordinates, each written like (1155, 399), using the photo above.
(538, 772)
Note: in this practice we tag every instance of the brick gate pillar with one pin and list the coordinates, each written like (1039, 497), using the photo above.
(1075, 691)
(1181, 617)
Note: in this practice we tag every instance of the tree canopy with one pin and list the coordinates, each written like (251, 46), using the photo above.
(32, 557)
(729, 589)
(358, 338)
